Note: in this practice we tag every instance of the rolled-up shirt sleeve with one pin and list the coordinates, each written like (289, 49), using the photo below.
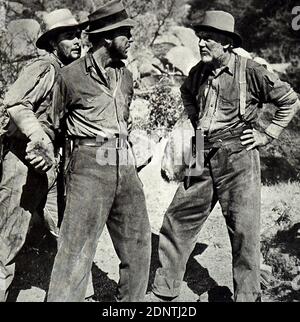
(30, 89)
(188, 99)
(273, 90)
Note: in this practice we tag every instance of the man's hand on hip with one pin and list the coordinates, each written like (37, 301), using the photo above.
(252, 139)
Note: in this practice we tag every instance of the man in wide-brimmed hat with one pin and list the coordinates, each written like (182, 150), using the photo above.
(29, 171)
(221, 96)
(103, 187)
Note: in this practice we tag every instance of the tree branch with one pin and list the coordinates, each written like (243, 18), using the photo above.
(162, 22)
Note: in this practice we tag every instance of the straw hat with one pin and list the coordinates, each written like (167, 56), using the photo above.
(56, 22)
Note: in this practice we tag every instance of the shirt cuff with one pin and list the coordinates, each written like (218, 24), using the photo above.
(274, 130)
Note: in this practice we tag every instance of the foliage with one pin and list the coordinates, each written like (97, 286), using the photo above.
(9, 69)
(165, 106)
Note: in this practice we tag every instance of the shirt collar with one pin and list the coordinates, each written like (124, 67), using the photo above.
(228, 68)
(94, 70)
(53, 56)
(89, 64)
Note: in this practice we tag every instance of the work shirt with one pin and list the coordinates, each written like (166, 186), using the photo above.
(212, 97)
(92, 104)
(34, 90)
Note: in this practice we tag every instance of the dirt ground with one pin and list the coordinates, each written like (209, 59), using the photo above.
(208, 275)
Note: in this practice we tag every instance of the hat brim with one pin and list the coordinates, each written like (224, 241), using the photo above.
(237, 39)
(125, 23)
(43, 40)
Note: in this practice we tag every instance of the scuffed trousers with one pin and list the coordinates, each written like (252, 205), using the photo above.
(232, 177)
(23, 191)
(99, 194)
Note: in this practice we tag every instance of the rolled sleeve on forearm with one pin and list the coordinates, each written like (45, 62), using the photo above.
(282, 118)
(279, 93)
(25, 95)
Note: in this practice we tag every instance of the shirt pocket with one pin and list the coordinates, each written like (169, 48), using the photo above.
(227, 104)
(97, 103)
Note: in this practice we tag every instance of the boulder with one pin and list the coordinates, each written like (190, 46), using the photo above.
(14, 8)
(187, 38)
(134, 69)
(34, 294)
(242, 52)
(3, 12)
(142, 63)
(263, 62)
(296, 283)
(21, 37)
(40, 15)
(147, 68)
(280, 68)
(182, 58)
(34, 5)
(177, 151)
(169, 39)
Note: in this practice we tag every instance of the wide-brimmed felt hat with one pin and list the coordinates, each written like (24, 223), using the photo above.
(55, 22)
(221, 22)
(109, 17)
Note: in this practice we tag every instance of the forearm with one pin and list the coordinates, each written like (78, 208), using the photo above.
(287, 108)
(25, 119)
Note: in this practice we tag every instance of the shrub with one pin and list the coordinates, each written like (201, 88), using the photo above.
(165, 107)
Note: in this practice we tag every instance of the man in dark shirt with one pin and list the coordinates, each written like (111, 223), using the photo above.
(221, 96)
(93, 100)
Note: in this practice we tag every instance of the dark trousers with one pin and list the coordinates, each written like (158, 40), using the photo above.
(232, 177)
(99, 194)
(23, 192)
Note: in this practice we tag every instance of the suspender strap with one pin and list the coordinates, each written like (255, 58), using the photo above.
(243, 85)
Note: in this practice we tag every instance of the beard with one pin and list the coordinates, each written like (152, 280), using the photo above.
(117, 54)
(206, 58)
(118, 51)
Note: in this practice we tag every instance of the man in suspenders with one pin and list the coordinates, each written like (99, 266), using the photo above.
(29, 170)
(94, 94)
(221, 96)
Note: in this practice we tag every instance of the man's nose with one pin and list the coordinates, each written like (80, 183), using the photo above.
(77, 41)
(202, 43)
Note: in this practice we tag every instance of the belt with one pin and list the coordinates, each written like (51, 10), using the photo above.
(227, 137)
(107, 143)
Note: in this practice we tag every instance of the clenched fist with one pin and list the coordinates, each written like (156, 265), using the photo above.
(40, 152)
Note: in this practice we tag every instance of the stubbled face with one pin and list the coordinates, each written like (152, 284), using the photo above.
(120, 44)
(212, 46)
(68, 46)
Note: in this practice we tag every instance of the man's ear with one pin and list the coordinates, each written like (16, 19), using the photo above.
(53, 44)
(107, 41)
(227, 47)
